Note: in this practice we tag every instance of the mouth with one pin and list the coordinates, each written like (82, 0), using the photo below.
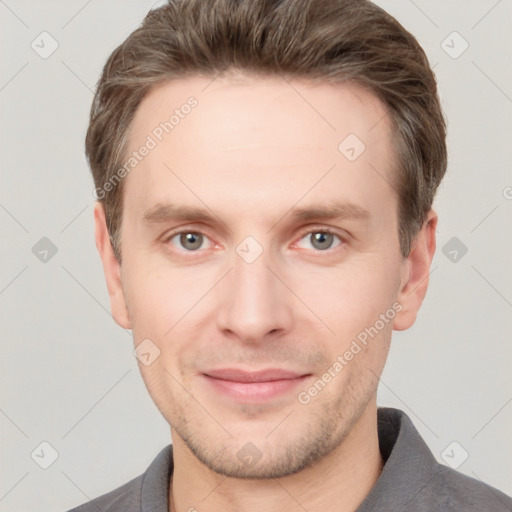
(253, 387)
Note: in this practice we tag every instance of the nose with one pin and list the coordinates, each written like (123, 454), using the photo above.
(254, 304)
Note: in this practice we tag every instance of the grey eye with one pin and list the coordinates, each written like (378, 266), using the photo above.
(321, 240)
(191, 241)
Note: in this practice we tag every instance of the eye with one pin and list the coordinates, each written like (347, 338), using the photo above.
(193, 241)
(321, 240)
(189, 240)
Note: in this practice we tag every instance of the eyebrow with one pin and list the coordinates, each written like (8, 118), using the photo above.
(170, 212)
(331, 211)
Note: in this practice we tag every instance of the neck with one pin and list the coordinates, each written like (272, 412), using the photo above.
(338, 482)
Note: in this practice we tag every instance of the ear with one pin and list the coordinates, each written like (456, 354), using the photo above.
(415, 273)
(111, 268)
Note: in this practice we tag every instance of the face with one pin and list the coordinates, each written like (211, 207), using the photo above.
(259, 245)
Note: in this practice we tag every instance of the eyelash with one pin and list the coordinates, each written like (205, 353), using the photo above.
(310, 231)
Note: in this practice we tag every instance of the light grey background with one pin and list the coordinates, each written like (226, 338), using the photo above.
(68, 375)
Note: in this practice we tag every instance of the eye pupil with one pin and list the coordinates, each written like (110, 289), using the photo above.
(191, 241)
(322, 240)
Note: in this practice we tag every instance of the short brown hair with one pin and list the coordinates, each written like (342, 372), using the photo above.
(325, 40)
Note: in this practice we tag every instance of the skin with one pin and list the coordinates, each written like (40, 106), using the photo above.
(251, 152)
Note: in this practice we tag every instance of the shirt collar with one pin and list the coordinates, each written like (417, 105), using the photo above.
(154, 494)
(408, 463)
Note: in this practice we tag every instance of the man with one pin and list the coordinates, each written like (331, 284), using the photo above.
(265, 172)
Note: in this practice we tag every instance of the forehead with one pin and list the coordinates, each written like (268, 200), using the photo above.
(229, 106)
(258, 137)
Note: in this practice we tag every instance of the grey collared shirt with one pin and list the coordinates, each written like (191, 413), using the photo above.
(412, 480)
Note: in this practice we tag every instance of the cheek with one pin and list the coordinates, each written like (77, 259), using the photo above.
(357, 290)
(158, 296)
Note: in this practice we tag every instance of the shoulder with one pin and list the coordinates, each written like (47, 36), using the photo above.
(456, 491)
(148, 491)
(125, 498)
(414, 481)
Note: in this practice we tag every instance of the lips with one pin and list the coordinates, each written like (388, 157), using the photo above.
(253, 386)
(235, 375)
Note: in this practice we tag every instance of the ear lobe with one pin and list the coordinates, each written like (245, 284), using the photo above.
(111, 268)
(415, 273)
